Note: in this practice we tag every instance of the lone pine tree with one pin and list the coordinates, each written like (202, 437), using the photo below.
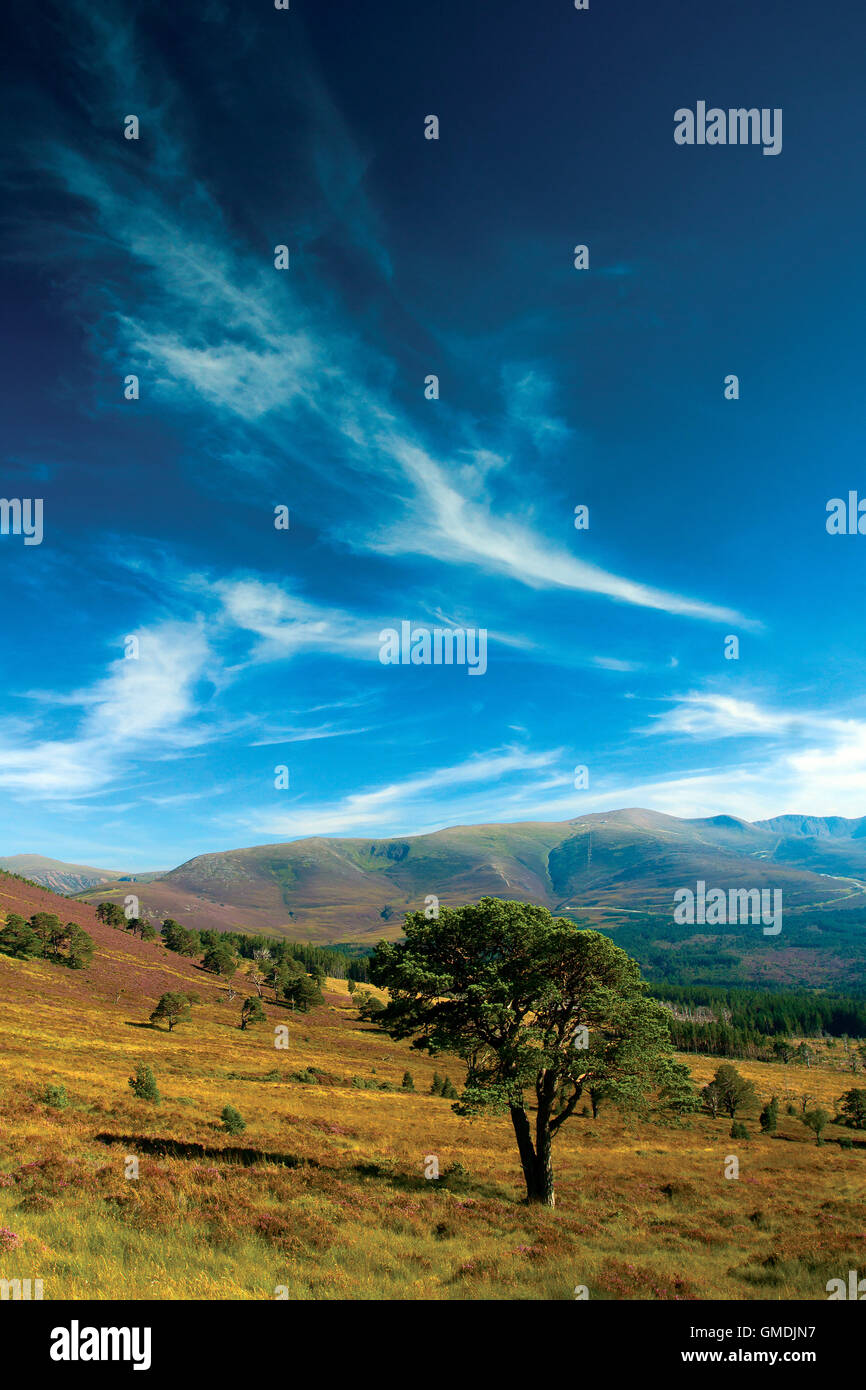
(174, 1008)
(535, 1008)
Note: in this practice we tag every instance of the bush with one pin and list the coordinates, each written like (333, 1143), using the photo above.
(233, 1120)
(738, 1130)
(307, 1077)
(144, 1084)
(56, 1097)
(408, 1082)
(845, 1142)
(770, 1116)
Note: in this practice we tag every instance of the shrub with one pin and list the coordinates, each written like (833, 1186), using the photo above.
(233, 1120)
(144, 1084)
(738, 1130)
(770, 1116)
(408, 1082)
(56, 1097)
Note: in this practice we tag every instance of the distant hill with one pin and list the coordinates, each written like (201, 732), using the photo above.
(66, 878)
(599, 867)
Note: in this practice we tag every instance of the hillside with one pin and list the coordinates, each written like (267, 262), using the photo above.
(60, 877)
(325, 1194)
(596, 867)
(65, 878)
(143, 970)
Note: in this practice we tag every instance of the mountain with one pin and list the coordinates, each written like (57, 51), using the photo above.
(55, 874)
(68, 878)
(599, 867)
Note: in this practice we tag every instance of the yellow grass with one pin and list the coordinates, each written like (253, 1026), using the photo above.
(325, 1196)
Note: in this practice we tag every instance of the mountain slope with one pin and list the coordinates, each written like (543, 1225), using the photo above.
(55, 874)
(598, 866)
(143, 970)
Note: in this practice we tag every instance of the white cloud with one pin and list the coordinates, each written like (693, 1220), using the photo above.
(448, 525)
(397, 804)
(613, 663)
(288, 625)
(265, 359)
(143, 706)
(722, 716)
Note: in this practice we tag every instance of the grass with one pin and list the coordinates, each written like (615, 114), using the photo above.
(324, 1195)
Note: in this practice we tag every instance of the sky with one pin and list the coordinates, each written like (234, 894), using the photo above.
(258, 648)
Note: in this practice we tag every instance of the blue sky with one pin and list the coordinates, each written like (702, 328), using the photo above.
(258, 647)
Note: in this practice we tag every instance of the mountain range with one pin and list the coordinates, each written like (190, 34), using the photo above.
(599, 867)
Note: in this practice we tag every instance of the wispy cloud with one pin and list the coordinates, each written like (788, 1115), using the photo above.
(218, 322)
(398, 805)
(140, 706)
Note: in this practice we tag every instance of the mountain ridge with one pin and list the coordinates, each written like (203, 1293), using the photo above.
(63, 877)
(325, 888)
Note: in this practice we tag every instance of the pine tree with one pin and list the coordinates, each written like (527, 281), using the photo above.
(174, 1008)
(770, 1116)
(252, 1011)
(144, 1085)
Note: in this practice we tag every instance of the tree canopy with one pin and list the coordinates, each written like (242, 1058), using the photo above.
(535, 1007)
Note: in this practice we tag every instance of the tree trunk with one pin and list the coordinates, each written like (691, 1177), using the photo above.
(536, 1161)
(545, 1091)
(544, 1192)
(524, 1144)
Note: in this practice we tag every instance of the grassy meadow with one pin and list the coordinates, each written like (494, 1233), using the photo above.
(324, 1195)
